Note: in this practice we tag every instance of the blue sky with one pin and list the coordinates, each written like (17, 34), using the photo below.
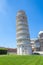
(8, 10)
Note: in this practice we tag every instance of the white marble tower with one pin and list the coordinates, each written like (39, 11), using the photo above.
(22, 34)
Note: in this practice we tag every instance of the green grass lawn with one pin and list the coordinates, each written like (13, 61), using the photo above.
(21, 60)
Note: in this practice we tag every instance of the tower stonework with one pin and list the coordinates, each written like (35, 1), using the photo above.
(22, 34)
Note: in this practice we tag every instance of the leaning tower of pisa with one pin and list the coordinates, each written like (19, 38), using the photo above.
(22, 34)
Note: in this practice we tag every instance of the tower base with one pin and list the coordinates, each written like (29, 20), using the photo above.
(24, 49)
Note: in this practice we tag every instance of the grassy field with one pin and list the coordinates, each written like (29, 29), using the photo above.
(21, 60)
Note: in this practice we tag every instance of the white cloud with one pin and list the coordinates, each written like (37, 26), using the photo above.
(3, 6)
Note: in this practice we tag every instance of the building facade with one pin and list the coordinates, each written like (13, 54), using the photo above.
(37, 44)
(22, 34)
